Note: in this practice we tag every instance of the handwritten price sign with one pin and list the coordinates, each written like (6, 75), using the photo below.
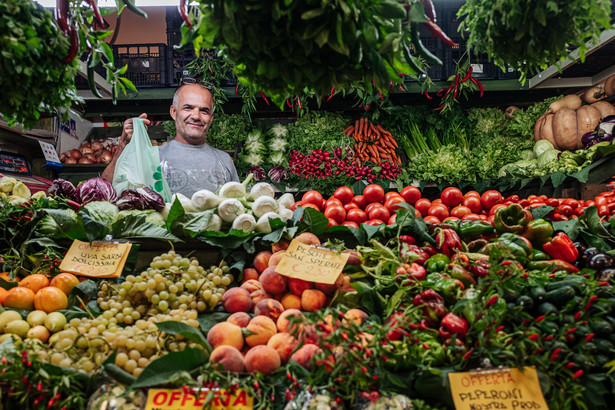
(310, 263)
(99, 259)
(169, 399)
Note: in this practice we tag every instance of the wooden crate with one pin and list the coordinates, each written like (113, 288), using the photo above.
(589, 191)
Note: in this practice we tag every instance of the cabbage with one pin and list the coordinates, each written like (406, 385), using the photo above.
(547, 156)
(95, 189)
(542, 146)
(151, 216)
(61, 187)
(102, 211)
(527, 154)
(48, 226)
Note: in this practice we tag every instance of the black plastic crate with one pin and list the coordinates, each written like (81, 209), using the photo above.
(482, 68)
(508, 74)
(147, 65)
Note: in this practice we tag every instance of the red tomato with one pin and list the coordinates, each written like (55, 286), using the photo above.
(495, 208)
(490, 198)
(391, 204)
(350, 224)
(440, 211)
(336, 212)
(411, 194)
(432, 219)
(472, 193)
(536, 204)
(331, 223)
(532, 197)
(313, 197)
(417, 213)
(543, 198)
(565, 209)
(513, 198)
(392, 220)
(310, 205)
(451, 196)
(482, 217)
(374, 222)
(471, 217)
(373, 193)
(524, 203)
(600, 200)
(490, 219)
(390, 195)
(423, 205)
(356, 215)
(589, 203)
(333, 201)
(371, 206)
(574, 203)
(360, 201)
(450, 218)
(344, 194)
(295, 205)
(351, 205)
(379, 212)
(552, 202)
(436, 201)
(472, 202)
(460, 211)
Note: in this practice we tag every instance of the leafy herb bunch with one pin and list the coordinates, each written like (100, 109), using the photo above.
(530, 35)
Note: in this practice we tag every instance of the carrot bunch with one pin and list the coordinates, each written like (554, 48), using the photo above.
(372, 142)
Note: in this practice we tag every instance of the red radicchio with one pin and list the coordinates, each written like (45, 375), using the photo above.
(95, 189)
(259, 173)
(277, 174)
(62, 188)
(140, 198)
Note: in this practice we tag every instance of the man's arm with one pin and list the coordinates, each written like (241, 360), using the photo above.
(127, 131)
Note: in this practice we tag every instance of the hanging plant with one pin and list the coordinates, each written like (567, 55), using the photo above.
(530, 35)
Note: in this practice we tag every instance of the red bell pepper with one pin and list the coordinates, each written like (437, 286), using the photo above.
(452, 324)
(433, 304)
(448, 241)
(408, 252)
(561, 247)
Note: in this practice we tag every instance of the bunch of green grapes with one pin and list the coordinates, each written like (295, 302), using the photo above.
(170, 282)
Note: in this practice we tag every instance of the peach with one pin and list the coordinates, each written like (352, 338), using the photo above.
(308, 239)
(284, 344)
(225, 333)
(357, 315)
(237, 300)
(285, 318)
(304, 355)
(228, 358)
(251, 285)
(297, 286)
(261, 261)
(281, 245)
(263, 328)
(240, 319)
(269, 307)
(249, 273)
(262, 359)
(354, 258)
(259, 295)
(273, 282)
(276, 258)
(290, 301)
(312, 300)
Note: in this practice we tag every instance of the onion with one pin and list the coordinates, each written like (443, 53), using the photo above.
(63, 157)
(90, 157)
(85, 160)
(96, 145)
(86, 150)
(70, 160)
(106, 157)
(75, 153)
(85, 144)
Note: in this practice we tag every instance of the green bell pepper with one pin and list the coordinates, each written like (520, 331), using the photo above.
(539, 231)
(518, 245)
(512, 218)
(471, 230)
(437, 262)
(538, 255)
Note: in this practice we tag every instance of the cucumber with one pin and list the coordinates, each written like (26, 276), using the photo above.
(560, 296)
(603, 345)
(526, 302)
(538, 294)
(545, 308)
(601, 327)
(576, 284)
(549, 327)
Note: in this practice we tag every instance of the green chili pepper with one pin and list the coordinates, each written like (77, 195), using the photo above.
(437, 262)
(472, 230)
(539, 231)
(512, 218)
(538, 255)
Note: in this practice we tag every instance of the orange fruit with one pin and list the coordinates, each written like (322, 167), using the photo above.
(50, 299)
(35, 282)
(65, 282)
(19, 298)
(3, 293)
(6, 276)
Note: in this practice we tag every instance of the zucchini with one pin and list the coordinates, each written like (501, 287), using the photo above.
(601, 327)
(560, 296)
(526, 302)
(578, 285)
(545, 308)
(538, 294)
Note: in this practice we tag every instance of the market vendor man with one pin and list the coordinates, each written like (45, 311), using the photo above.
(188, 163)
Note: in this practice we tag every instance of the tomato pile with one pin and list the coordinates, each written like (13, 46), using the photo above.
(375, 207)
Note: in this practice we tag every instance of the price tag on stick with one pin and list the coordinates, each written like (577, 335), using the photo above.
(98, 260)
(512, 389)
(311, 263)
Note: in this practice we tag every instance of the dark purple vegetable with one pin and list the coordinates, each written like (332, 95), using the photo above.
(587, 138)
(62, 188)
(130, 199)
(600, 261)
(277, 174)
(152, 199)
(606, 275)
(259, 173)
(95, 189)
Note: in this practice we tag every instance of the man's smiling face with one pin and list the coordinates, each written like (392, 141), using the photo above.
(193, 113)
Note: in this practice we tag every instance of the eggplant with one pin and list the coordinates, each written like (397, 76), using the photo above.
(588, 253)
(580, 247)
(606, 275)
(600, 261)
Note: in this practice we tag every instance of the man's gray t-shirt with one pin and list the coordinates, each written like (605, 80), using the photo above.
(190, 168)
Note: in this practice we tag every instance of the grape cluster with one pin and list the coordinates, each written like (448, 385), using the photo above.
(170, 282)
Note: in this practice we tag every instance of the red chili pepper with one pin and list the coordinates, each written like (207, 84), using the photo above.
(555, 354)
(433, 305)
(380, 94)
(236, 88)
(73, 204)
(436, 31)
(264, 97)
(540, 318)
(184, 14)
(478, 83)
(500, 328)
(456, 86)
(94, 5)
(569, 331)
(589, 337)
(593, 297)
(440, 107)
(570, 365)
(577, 374)
(74, 46)
(466, 78)
(534, 337)
(288, 103)
(604, 284)
(430, 10)
(577, 316)
(492, 300)
(467, 354)
(548, 338)
(452, 324)
(426, 94)
(62, 15)
(299, 104)
(332, 92)
(441, 91)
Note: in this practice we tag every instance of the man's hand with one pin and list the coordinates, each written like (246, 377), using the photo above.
(128, 129)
